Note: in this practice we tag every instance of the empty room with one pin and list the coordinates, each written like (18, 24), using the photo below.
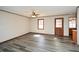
(39, 29)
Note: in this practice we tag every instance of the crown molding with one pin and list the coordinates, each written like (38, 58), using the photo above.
(34, 17)
(53, 15)
(13, 13)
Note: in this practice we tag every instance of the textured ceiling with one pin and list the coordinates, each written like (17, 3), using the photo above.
(42, 10)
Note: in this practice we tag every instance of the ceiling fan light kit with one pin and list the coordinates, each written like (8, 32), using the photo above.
(33, 16)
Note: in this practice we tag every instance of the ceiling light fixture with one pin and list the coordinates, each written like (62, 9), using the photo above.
(33, 16)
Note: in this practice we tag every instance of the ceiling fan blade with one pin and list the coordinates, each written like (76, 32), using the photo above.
(37, 14)
(33, 13)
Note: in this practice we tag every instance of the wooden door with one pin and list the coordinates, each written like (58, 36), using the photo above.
(59, 27)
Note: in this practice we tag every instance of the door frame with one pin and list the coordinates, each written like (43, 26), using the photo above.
(62, 25)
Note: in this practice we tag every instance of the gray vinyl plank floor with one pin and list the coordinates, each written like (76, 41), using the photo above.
(33, 42)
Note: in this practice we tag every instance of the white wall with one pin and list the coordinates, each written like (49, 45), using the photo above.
(66, 25)
(49, 25)
(12, 26)
(78, 26)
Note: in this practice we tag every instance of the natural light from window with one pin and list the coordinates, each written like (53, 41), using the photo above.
(72, 22)
(40, 23)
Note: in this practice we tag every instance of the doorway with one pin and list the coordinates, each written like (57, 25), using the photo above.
(73, 29)
(59, 31)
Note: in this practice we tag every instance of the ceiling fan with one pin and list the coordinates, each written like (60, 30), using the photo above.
(34, 14)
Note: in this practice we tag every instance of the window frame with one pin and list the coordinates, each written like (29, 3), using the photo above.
(75, 22)
(38, 24)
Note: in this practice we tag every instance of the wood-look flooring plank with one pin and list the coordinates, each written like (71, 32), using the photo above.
(33, 42)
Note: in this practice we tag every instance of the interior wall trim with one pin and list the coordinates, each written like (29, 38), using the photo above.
(35, 17)
(13, 13)
(14, 38)
(53, 15)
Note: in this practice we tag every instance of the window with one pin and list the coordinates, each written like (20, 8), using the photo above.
(59, 23)
(72, 22)
(41, 24)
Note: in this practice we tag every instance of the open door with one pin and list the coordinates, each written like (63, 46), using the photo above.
(59, 31)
